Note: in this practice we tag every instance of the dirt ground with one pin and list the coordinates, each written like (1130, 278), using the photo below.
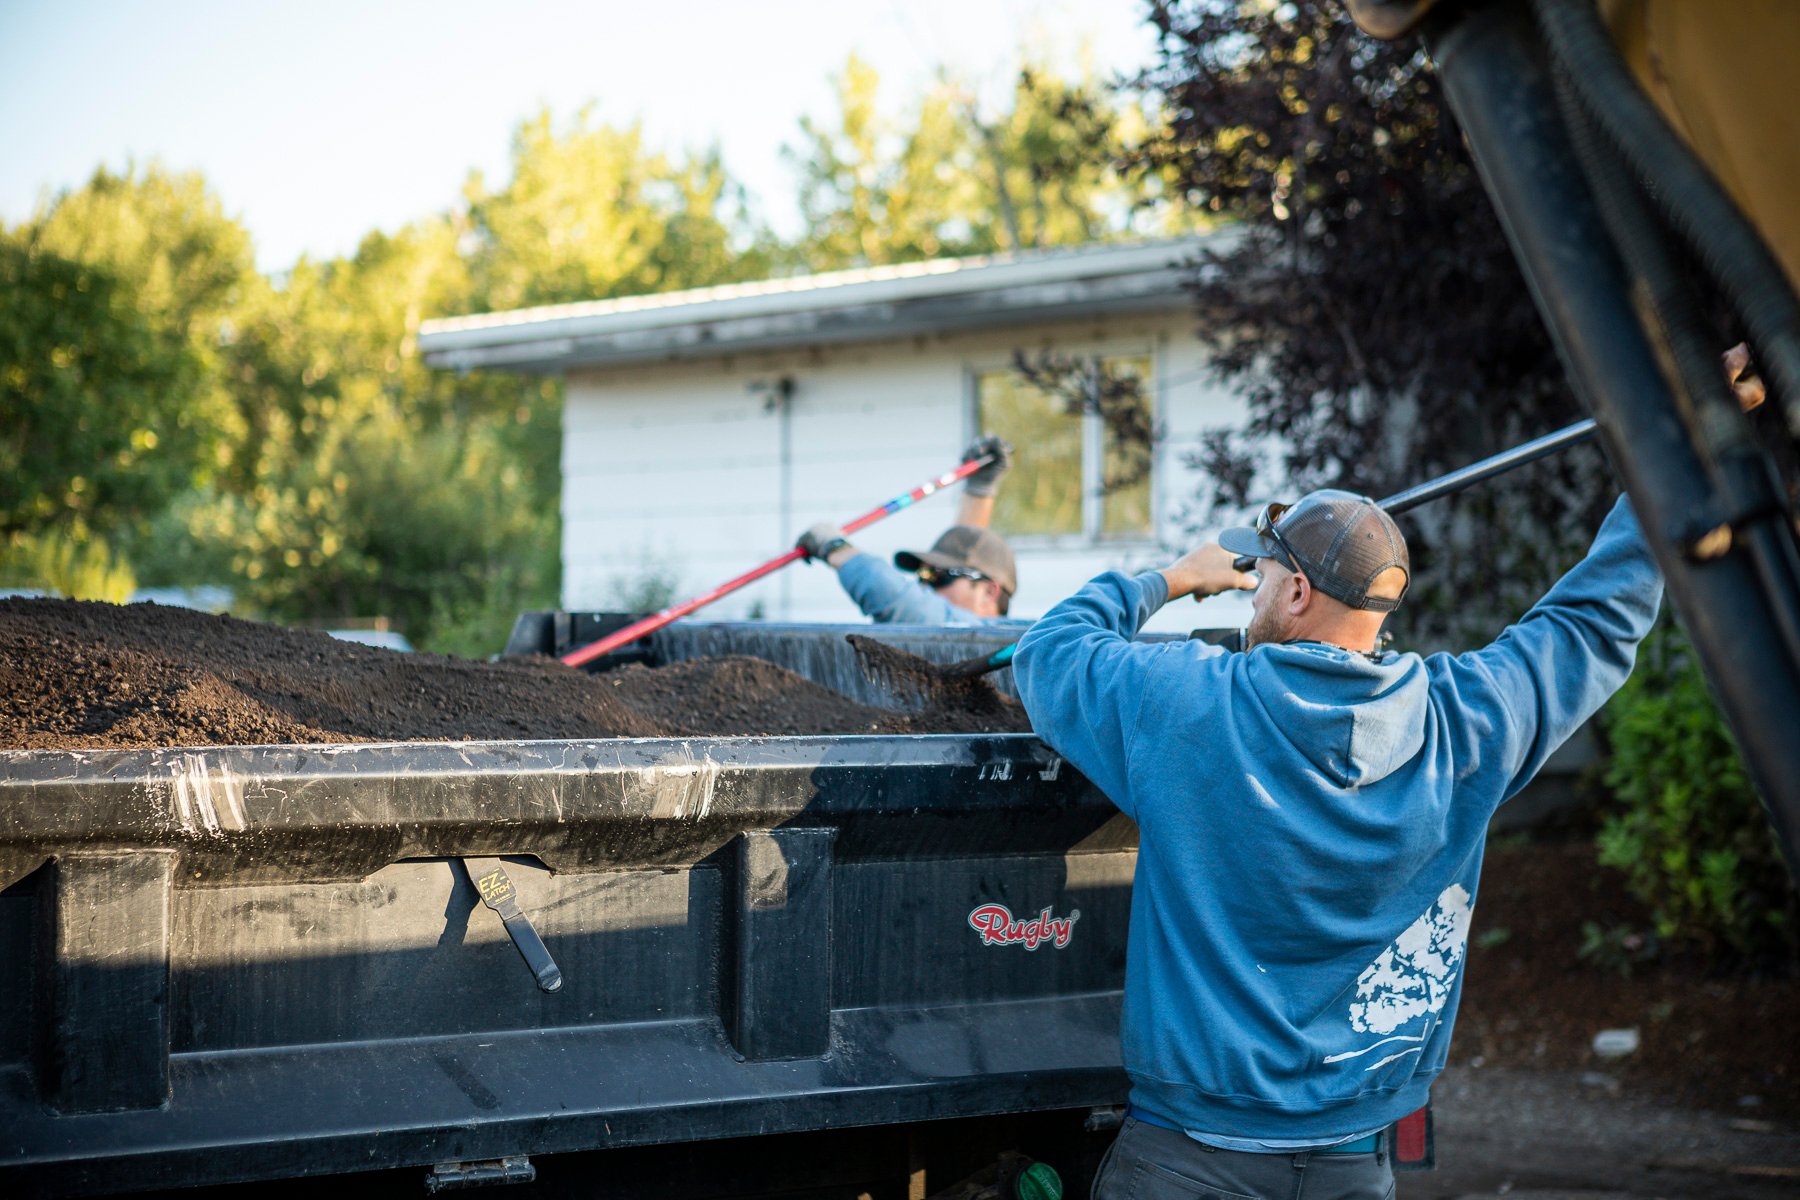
(77, 675)
(1708, 1106)
(1730, 1043)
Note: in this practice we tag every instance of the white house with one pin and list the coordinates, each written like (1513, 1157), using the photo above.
(705, 429)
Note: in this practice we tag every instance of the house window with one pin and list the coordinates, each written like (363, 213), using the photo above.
(1073, 474)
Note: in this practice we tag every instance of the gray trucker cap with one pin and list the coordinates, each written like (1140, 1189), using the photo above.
(1343, 543)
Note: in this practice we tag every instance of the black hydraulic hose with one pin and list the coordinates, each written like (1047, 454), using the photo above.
(1686, 193)
(1752, 506)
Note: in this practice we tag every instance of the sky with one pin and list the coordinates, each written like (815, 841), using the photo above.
(316, 123)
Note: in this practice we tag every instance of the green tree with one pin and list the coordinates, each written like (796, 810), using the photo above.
(591, 213)
(945, 178)
(118, 304)
(368, 484)
(434, 528)
(184, 266)
(96, 427)
(67, 561)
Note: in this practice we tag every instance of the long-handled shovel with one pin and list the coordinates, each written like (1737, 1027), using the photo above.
(1487, 468)
(1399, 502)
(675, 612)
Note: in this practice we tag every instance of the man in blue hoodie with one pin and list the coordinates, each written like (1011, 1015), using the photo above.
(968, 577)
(1311, 818)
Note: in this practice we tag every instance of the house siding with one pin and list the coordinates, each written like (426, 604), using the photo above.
(676, 469)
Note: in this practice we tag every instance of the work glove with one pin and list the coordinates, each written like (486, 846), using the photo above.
(819, 541)
(984, 481)
(1741, 374)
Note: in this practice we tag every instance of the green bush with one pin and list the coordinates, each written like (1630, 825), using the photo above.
(1684, 825)
(67, 562)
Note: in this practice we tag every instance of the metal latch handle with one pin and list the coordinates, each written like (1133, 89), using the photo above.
(496, 889)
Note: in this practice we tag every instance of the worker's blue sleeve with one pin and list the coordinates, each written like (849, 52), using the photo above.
(1560, 662)
(1083, 679)
(888, 595)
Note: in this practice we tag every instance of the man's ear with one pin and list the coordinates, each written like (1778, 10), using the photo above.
(1300, 593)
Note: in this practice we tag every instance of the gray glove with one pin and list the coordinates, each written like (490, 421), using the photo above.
(984, 481)
(819, 541)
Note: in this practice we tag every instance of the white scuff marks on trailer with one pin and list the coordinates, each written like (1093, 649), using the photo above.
(207, 798)
(552, 782)
(684, 784)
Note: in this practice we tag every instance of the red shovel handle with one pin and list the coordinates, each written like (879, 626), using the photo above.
(675, 612)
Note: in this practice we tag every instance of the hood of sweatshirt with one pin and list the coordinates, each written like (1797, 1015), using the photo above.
(1354, 718)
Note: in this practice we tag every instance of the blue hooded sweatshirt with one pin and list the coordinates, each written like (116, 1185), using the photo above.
(1311, 823)
(886, 594)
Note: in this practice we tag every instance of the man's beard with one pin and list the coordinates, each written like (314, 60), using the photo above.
(1266, 625)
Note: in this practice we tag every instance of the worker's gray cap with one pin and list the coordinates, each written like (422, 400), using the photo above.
(1343, 543)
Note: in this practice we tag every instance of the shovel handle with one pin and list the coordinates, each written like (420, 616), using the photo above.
(1475, 472)
(675, 612)
(1487, 468)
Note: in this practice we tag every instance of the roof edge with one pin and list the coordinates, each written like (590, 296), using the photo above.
(542, 336)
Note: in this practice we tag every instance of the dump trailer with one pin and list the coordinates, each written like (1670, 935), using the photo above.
(860, 963)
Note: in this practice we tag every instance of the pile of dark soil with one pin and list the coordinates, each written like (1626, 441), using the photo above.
(79, 675)
(1530, 999)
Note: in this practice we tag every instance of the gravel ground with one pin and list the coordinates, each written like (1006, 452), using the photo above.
(1537, 1135)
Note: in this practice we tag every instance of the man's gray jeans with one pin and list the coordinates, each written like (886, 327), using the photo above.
(1151, 1163)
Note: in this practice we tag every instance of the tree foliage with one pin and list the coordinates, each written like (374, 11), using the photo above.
(97, 421)
(68, 561)
(368, 484)
(948, 177)
(590, 213)
(281, 434)
(185, 269)
(429, 527)
(175, 414)
(1368, 309)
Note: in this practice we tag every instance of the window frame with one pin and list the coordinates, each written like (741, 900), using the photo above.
(1093, 450)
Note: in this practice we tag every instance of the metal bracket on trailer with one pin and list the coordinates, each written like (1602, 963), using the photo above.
(455, 1176)
(497, 892)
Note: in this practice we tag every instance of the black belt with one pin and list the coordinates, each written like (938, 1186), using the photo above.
(1362, 1145)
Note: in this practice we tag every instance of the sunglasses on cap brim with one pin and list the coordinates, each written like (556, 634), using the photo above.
(943, 577)
(1267, 522)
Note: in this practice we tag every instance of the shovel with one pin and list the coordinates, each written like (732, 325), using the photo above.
(1487, 468)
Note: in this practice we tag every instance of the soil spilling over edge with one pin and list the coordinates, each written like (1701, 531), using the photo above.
(84, 675)
(922, 683)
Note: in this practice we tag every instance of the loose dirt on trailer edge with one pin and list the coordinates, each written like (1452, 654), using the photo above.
(78, 675)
